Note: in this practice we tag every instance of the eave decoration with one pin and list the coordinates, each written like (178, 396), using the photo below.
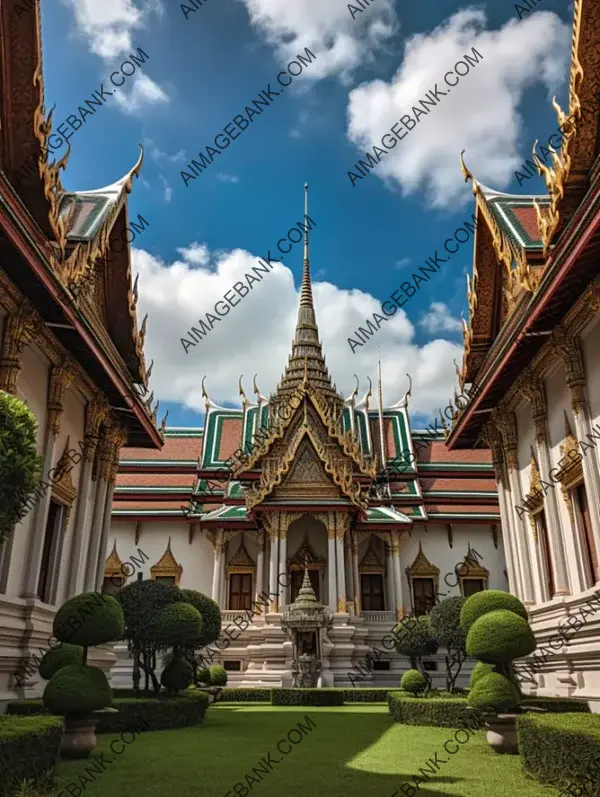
(167, 566)
(422, 568)
(518, 275)
(241, 561)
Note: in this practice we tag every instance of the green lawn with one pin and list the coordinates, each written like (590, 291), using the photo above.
(354, 751)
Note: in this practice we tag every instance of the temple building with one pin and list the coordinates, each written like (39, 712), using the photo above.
(306, 493)
(71, 349)
(532, 346)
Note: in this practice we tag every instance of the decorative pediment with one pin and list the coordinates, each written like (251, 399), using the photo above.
(422, 567)
(307, 477)
(306, 558)
(475, 570)
(535, 497)
(63, 489)
(113, 565)
(167, 566)
(241, 561)
(371, 563)
(571, 475)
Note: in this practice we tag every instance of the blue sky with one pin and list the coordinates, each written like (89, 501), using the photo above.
(202, 71)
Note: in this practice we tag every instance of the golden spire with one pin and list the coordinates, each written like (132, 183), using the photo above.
(307, 355)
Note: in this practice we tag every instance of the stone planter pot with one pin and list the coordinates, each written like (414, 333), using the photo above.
(502, 733)
(79, 735)
(213, 692)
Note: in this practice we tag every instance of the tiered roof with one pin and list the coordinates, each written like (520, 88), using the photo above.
(339, 444)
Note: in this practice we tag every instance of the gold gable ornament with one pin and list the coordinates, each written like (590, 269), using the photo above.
(113, 566)
(474, 570)
(241, 561)
(167, 566)
(571, 474)
(370, 563)
(534, 500)
(422, 568)
(63, 489)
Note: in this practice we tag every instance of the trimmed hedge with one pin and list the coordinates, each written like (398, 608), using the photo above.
(231, 694)
(143, 713)
(563, 750)
(307, 697)
(366, 695)
(29, 749)
(557, 705)
(446, 712)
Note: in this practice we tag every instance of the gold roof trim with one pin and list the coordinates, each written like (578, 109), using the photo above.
(167, 566)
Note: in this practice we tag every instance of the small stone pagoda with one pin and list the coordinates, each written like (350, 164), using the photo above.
(305, 622)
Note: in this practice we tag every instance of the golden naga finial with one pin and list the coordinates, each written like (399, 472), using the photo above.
(355, 391)
(255, 389)
(149, 371)
(163, 423)
(467, 174)
(142, 332)
(135, 289)
(135, 171)
(241, 391)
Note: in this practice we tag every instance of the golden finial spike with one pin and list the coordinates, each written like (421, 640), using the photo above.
(467, 174)
(135, 171)
(241, 389)
(149, 371)
(163, 424)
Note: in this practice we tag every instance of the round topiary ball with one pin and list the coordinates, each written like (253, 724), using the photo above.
(211, 616)
(178, 624)
(500, 636)
(493, 692)
(413, 681)
(179, 674)
(57, 658)
(89, 619)
(479, 670)
(203, 676)
(77, 689)
(218, 675)
(488, 601)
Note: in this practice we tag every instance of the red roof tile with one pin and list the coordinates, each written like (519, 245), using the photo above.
(157, 480)
(438, 451)
(188, 448)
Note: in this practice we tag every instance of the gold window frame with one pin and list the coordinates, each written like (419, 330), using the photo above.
(167, 566)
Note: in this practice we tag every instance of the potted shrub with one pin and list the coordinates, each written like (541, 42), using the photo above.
(498, 633)
(413, 681)
(57, 658)
(20, 464)
(77, 691)
(218, 679)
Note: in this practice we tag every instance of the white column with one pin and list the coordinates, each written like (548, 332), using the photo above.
(397, 573)
(589, 465)
(104, 536)
(260, 564)
(37, 532)
(282, 576)
(514, 574)
(391, 589)
(80, 528)
(523, 535)
(356, 576)
(340, 570)
(557, 545)
(95, 537)
(217, 567)
(273, 565)
(331, 580)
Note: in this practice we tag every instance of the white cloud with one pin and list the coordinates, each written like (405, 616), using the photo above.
(402, 263)
(256, 335)
(227, 178)
(108, 26)
(482, 114)
(142, 91)
(326, 28)
(439, 319)
(158, 155)
(168, 189)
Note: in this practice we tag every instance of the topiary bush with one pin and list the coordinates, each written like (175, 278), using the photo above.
(479, 670)
(414, 639)
(413, 681)
(307, 697)
(58, 657)
(76, 690)
(445, 712)
(488, 601)
(500, 636)
(218, 675)
(203, 676)
(493, 693)
(89, 619)
(142, 602)
(20, 464)
(444, 621)
(211, 616)
(178, 625)
(178, 675)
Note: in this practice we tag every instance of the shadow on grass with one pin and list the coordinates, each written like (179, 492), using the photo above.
(354, 751)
